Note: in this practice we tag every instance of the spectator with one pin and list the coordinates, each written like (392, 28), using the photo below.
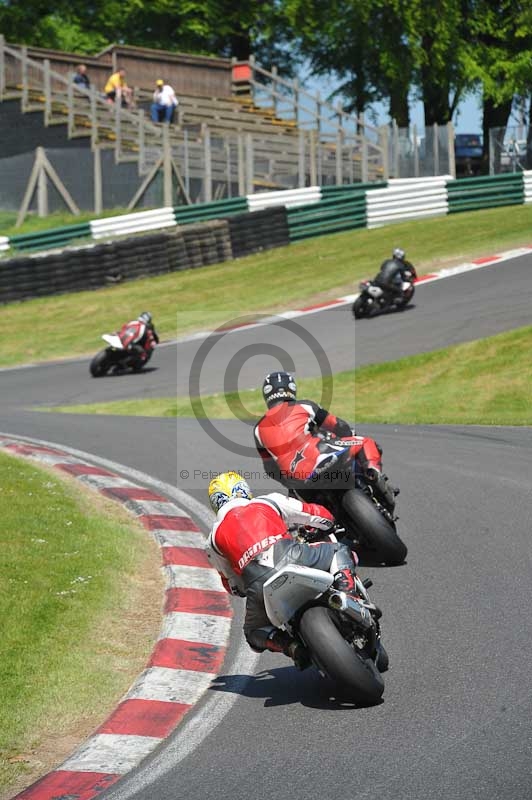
(164, 103)
(81, 79)
(116, 88)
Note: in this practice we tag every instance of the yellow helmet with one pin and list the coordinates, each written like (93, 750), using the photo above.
(226, 487)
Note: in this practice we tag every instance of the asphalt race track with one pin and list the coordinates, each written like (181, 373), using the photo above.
(455, 721)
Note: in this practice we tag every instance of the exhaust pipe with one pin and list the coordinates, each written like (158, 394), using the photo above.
(339, 601)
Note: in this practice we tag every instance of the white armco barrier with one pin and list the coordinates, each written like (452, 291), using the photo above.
(4, 243)
(286, 197)
(527, 185)
(407, 199)
(133, 223)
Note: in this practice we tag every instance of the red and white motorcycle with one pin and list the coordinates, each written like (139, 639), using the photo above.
(122, 354)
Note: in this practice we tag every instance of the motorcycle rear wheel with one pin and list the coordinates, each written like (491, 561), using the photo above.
(361, 307)
(355, 675)
(100, 364)
(372, 529)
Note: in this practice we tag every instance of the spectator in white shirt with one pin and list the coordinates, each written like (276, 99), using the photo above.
(164, 103)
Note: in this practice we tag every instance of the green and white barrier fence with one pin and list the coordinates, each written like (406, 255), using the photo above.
(311, 211)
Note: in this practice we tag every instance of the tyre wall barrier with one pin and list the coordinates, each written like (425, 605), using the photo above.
(385, 202)
(259, 230)
(95, 266)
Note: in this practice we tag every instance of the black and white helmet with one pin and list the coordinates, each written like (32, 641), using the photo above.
(398, 253)
(278, 387)
(145, 317)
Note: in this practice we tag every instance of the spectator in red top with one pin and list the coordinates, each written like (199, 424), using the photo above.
(251, 536)
(287, 438)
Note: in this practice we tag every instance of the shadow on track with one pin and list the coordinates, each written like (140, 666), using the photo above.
(283, 686)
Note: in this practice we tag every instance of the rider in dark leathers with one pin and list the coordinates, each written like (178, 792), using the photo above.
(393, 272)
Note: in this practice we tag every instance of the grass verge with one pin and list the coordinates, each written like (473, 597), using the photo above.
(304, 272)
(80, 606)
(485, 382)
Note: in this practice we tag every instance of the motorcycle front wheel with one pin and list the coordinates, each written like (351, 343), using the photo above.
(355, 674)
(100, 364)
(407, 299)
(361, 307)
(372, 529)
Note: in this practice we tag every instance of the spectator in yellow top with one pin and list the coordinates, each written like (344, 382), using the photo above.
(116, 88)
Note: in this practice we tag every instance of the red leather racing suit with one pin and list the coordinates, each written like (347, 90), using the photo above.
(292, 451)
(251, 537)
(138, 336)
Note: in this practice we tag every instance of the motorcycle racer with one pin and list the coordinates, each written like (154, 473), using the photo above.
(394, 272)
(139, 336)
(250, 537)
(291, 442)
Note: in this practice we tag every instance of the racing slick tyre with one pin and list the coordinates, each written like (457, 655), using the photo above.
(354, 673)
(372, 528)
(100, 364)
(361, 307)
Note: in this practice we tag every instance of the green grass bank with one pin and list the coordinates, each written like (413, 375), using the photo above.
(485, 382)
(80, 595)
(304, 272)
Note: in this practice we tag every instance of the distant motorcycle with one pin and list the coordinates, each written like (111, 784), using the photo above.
(339, 631)
(373, 299)
(118, 356)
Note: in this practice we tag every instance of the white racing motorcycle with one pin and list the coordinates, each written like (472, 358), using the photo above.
(340, 632)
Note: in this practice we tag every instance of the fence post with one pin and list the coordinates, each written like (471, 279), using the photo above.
(436, 148)
(207, 161)
(118, 128)
(98, 189)
(141, 140)
(318, 112)
(295, 85)
(47, 92)
(383, 141)
(395, 149)
(94, 117)
(251, 61)
(167, 167)
(70, 110)
(361, 123)
(186, 162)
(450, 149)
(42, 192)
(301, 159)
(25, 79)
(241, 165)
(312, 155)
(249, 164)
(2, 66)
(416, 152)
(339, 157)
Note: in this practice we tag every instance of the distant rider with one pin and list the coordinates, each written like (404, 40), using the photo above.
(139, 336)
(250, 537)
(394, 272)
(293, 451)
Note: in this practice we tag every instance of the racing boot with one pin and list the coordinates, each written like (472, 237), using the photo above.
(281, 642)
